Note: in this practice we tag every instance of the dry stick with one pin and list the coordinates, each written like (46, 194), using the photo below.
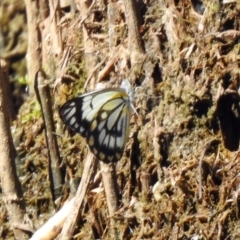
(91, 55)
(7, 90)
(93, 72)
(134, 42)
(53, 226)
(55, 29)
(11, 187)
(62, 66)
(200, 174)
(88, 7)
(69, 225)
(109, 178)
(106, 70)
(44, 98)
(33, 52)
(112, 19)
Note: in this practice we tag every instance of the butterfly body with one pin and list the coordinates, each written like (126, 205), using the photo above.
(102, 117)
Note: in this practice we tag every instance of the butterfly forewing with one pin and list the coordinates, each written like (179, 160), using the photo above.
(103, 118)
(71, 114)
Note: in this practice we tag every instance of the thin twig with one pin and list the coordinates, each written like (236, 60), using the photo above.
(93, 72)
(34, 46)
(44, 97)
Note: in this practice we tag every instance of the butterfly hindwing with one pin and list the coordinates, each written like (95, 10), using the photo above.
(102, 117)
(109, 131)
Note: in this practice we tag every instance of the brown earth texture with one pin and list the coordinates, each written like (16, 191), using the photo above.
(178, 177)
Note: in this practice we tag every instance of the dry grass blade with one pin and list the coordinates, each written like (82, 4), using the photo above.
(74, 214)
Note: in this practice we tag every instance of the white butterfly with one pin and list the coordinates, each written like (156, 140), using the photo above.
(102, 117)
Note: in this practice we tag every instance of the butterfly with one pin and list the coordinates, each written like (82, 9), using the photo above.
(103, 118)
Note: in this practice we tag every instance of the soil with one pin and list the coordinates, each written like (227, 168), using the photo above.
(178, 177)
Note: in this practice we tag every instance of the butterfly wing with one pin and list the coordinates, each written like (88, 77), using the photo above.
(102, 117)
(79, 112)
